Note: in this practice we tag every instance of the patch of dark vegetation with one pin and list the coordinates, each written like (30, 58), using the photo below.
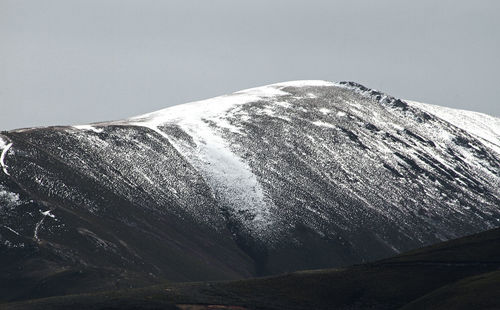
(393, 170)
(440, 169)
(424, 116)
(374, 94)
(462, 141)
(396, 139)
(398, 103)
(419, 138)
(355, 85)
(372, 127)
(413, 165)
(353, 137)
(455, 157)
(177, 132)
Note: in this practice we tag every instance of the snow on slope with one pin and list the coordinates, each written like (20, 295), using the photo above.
(483, 126)
(4, 147)
(217, 128)
(228, 175)
(246, 146)
(214, 109)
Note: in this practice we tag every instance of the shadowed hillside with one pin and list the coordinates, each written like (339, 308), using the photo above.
(459, 274)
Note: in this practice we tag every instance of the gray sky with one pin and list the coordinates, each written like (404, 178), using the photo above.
(69, 62)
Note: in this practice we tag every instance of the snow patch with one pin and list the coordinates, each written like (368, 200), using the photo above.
(262, 91)
(228, 176)
(2, 157)
(12, 230)
(8, 199)
(3, 143)
(39, 224)
(322, 124)
(283, 104)
(88, 127)
(47, 213)
(214, 109)
(303, 83)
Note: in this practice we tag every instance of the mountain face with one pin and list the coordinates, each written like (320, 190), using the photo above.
(297, 175)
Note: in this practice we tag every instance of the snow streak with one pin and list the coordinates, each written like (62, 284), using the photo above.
(2, 158)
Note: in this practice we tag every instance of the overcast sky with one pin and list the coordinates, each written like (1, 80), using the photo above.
(79, 61)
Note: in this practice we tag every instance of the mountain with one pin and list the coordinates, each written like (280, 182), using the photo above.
(289, 176)
(459, 274)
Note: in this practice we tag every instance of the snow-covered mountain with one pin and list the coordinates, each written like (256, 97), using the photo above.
(296, 175)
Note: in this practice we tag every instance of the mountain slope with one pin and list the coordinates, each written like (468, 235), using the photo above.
(297, 175)
(484, 127)
(458, 274)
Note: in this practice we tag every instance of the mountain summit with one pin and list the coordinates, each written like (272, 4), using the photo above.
(295, 175)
